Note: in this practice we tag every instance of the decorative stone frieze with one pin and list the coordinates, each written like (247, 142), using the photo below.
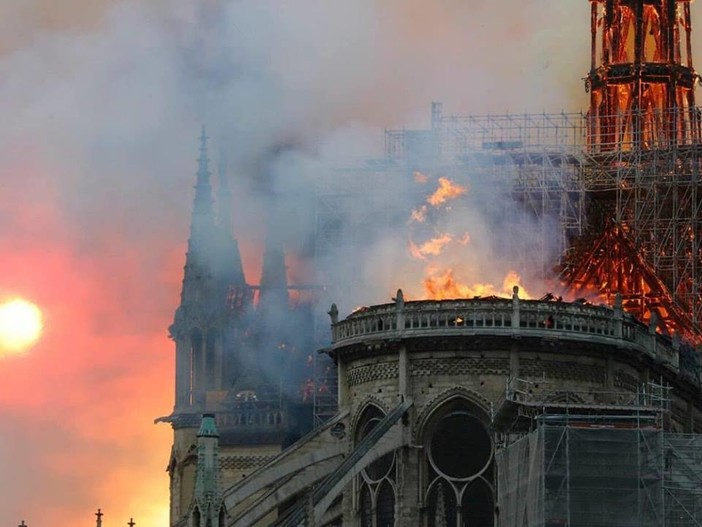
(243, 462)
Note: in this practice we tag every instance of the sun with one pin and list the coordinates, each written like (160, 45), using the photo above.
(20, 325)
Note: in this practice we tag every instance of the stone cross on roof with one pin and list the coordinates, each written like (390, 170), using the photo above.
(131, 522)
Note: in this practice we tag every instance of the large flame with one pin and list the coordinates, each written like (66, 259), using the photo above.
(442, 284)
(447, 190)
(445, 256)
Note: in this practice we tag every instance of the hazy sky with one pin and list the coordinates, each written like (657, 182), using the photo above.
(102, 102)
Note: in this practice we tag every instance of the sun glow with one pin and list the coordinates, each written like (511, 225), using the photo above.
(20, 325)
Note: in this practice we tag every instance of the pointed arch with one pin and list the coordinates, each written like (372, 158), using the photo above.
(456, 431)
(479, 404)
(385, 505)
(370, 400)
(195, 517)
(477, 504)
(441, 504)
(366, 506)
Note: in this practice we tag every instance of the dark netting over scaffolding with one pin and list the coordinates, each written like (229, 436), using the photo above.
(579, 474)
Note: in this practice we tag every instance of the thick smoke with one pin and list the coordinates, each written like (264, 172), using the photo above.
(103, 102)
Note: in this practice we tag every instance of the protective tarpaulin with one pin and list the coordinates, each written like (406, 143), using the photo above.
(575, 476)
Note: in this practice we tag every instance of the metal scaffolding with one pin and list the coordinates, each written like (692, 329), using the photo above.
(645, 186)
(596, 459)
(569, 474)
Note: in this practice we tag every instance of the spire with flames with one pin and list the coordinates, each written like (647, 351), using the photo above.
(642, 161)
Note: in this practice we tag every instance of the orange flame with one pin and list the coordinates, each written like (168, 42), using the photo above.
(447, 190)
(432, 247)
(445, 286)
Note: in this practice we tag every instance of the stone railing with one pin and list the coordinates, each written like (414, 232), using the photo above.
(251, 417)
(510, 317)
(241, 416)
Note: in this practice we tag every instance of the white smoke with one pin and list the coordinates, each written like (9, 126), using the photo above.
(102, 106)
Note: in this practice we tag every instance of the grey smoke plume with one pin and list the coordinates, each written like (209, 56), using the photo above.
(102, 104)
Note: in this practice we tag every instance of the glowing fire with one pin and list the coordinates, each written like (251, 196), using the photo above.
(443, 252)
(431, 247)
(447, 190)
(441, 285)
(420, 178)
(419, 215)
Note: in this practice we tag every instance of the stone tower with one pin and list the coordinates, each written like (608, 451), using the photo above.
(233, 362)
(213, 275)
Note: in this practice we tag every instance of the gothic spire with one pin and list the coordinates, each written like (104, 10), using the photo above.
(203, 213)
(233, 270)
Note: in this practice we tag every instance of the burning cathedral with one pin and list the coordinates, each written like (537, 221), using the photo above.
(581, 407)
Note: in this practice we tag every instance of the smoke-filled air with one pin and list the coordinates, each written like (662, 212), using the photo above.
(102, 104)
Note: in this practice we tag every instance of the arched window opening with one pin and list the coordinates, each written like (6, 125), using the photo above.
(477, 506)
(380, 468)
(460, 466)
(196, 517)
(366, 504)
(385, 505)
(377, 495)
(441, 510)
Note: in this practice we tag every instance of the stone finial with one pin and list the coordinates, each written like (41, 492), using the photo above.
(400, 299)
(618, 302)
(99, 514)
(653, 323)
(22, 524)
(515, 292)
(131, 522)
(333, 314)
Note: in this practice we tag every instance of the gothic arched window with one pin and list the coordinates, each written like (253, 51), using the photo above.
(459, 467)
(376, 501)
(385, 505)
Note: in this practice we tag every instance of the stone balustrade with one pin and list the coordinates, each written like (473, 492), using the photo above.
(509, 317)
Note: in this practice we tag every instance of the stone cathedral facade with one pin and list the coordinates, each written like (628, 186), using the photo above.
(239, 360)
(480, 412)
